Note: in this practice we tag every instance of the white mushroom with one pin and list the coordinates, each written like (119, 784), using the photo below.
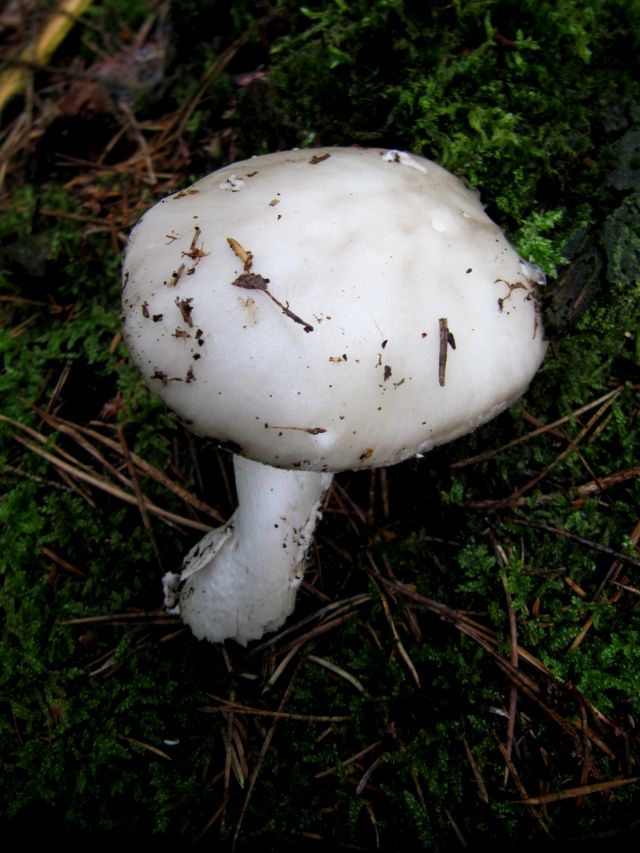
(316, 311)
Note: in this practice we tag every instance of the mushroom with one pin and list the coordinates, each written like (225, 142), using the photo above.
(316, 311)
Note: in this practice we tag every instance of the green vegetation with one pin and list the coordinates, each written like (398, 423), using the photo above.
(395, 712)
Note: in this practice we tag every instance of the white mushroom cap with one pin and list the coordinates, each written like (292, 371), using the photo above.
(368, 267)
(318, 310)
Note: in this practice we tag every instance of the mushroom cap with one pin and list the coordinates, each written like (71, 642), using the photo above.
(330, 309)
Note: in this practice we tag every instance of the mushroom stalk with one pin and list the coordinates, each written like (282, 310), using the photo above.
(240, 580)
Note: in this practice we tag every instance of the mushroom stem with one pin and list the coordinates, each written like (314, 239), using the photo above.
(240, 580)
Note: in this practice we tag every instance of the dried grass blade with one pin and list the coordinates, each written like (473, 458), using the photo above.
(114, 491)
(513, 635)
(256, 772)
(521, 789)
(154, 749)
(42, 439)
(595, 546)
(351, 760)
(60, 561)
(489, 642)
(345, 607)
(396, 637)
(341, 673)
(456, 829)
(68, 429)
(581, 791)
(571, 447)
(154, 473)
(214, 817)
(368, 773)
(482, 788)
(488, 454)
(148, 617)
(293, 651)
(237, 707)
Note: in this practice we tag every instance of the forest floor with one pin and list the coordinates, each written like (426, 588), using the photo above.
(463, 665)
